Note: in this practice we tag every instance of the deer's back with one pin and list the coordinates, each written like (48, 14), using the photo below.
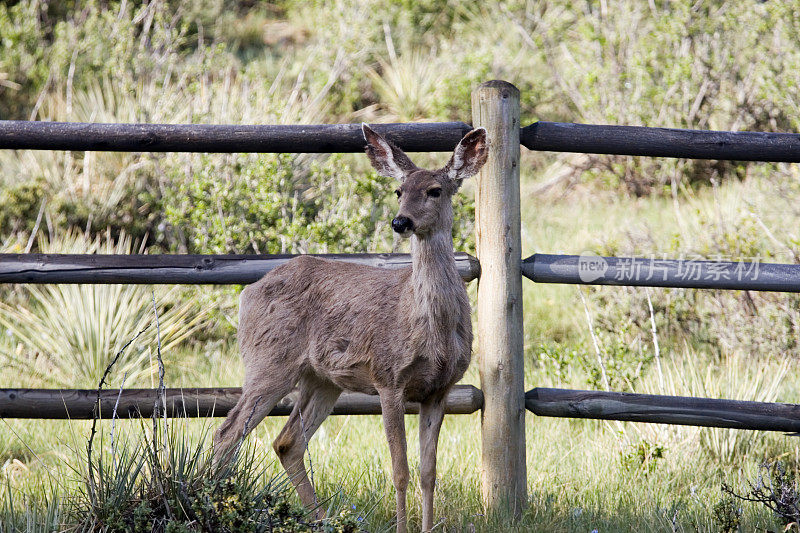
(330, 316)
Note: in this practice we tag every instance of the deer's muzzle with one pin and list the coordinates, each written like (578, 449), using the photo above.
(402, 224)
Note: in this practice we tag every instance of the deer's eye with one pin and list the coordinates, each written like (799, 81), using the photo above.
(435, 192)
(398, 192)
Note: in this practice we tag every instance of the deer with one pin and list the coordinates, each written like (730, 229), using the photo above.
(326, 326)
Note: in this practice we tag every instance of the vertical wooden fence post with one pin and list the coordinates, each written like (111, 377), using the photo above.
(495, 106)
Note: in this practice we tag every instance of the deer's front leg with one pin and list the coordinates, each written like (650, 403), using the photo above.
(431, 415)
(393, 408)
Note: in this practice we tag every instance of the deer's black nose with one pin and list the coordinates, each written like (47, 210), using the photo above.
(402, 224)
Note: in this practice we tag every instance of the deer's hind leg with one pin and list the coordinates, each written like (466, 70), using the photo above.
(316, 400)
(251, 409)
(261, 392)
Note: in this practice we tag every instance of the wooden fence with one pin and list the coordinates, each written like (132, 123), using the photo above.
(502, 397)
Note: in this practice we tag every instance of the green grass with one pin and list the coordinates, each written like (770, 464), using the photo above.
(578, 475)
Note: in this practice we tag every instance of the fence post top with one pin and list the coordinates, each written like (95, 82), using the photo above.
(499, 85)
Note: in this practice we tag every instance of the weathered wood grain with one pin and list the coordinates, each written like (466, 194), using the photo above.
(133, 403)
(679, 410)
(495, 106)
(662, 142)
(412, 137)
(192, 269)
(322, 138)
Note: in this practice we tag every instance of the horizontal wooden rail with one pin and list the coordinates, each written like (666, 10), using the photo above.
(133, 403)
(652, 272)
(679, 410)
(412, 137)
(661, 142)
(192, 269)
(323, 138)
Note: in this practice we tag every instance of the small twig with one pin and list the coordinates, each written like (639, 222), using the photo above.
(36, 226)
(42, 94)
(97, 402)
(655, 340)
(50, 228)
(161, 398)
(70, 77)
(114, 29)
(594, 340)
(114, 422)
(250, 418)
(162, 391)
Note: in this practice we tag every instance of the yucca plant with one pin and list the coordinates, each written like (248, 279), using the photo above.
(162, 480)
(406, 83)
(67, 335)
(35, 512)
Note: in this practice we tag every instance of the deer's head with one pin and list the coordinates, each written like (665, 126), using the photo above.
(425, 195)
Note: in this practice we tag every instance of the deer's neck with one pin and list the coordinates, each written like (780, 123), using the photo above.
(438, 288)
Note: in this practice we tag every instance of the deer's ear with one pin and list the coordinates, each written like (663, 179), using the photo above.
(388, 159)
(468, 157)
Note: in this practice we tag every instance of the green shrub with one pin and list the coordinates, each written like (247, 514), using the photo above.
(728, 514)
(642, 457)
(281, 204)
(23, 70)
(19, 207)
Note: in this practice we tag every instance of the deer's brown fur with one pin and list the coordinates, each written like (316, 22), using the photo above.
(327, 326)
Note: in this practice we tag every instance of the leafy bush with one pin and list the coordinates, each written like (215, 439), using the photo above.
(728, 514)
(273, 204)
(19, 206)
(624, 364)
(642, 457)
(23, 70)
(282, 204)
(720, 65)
